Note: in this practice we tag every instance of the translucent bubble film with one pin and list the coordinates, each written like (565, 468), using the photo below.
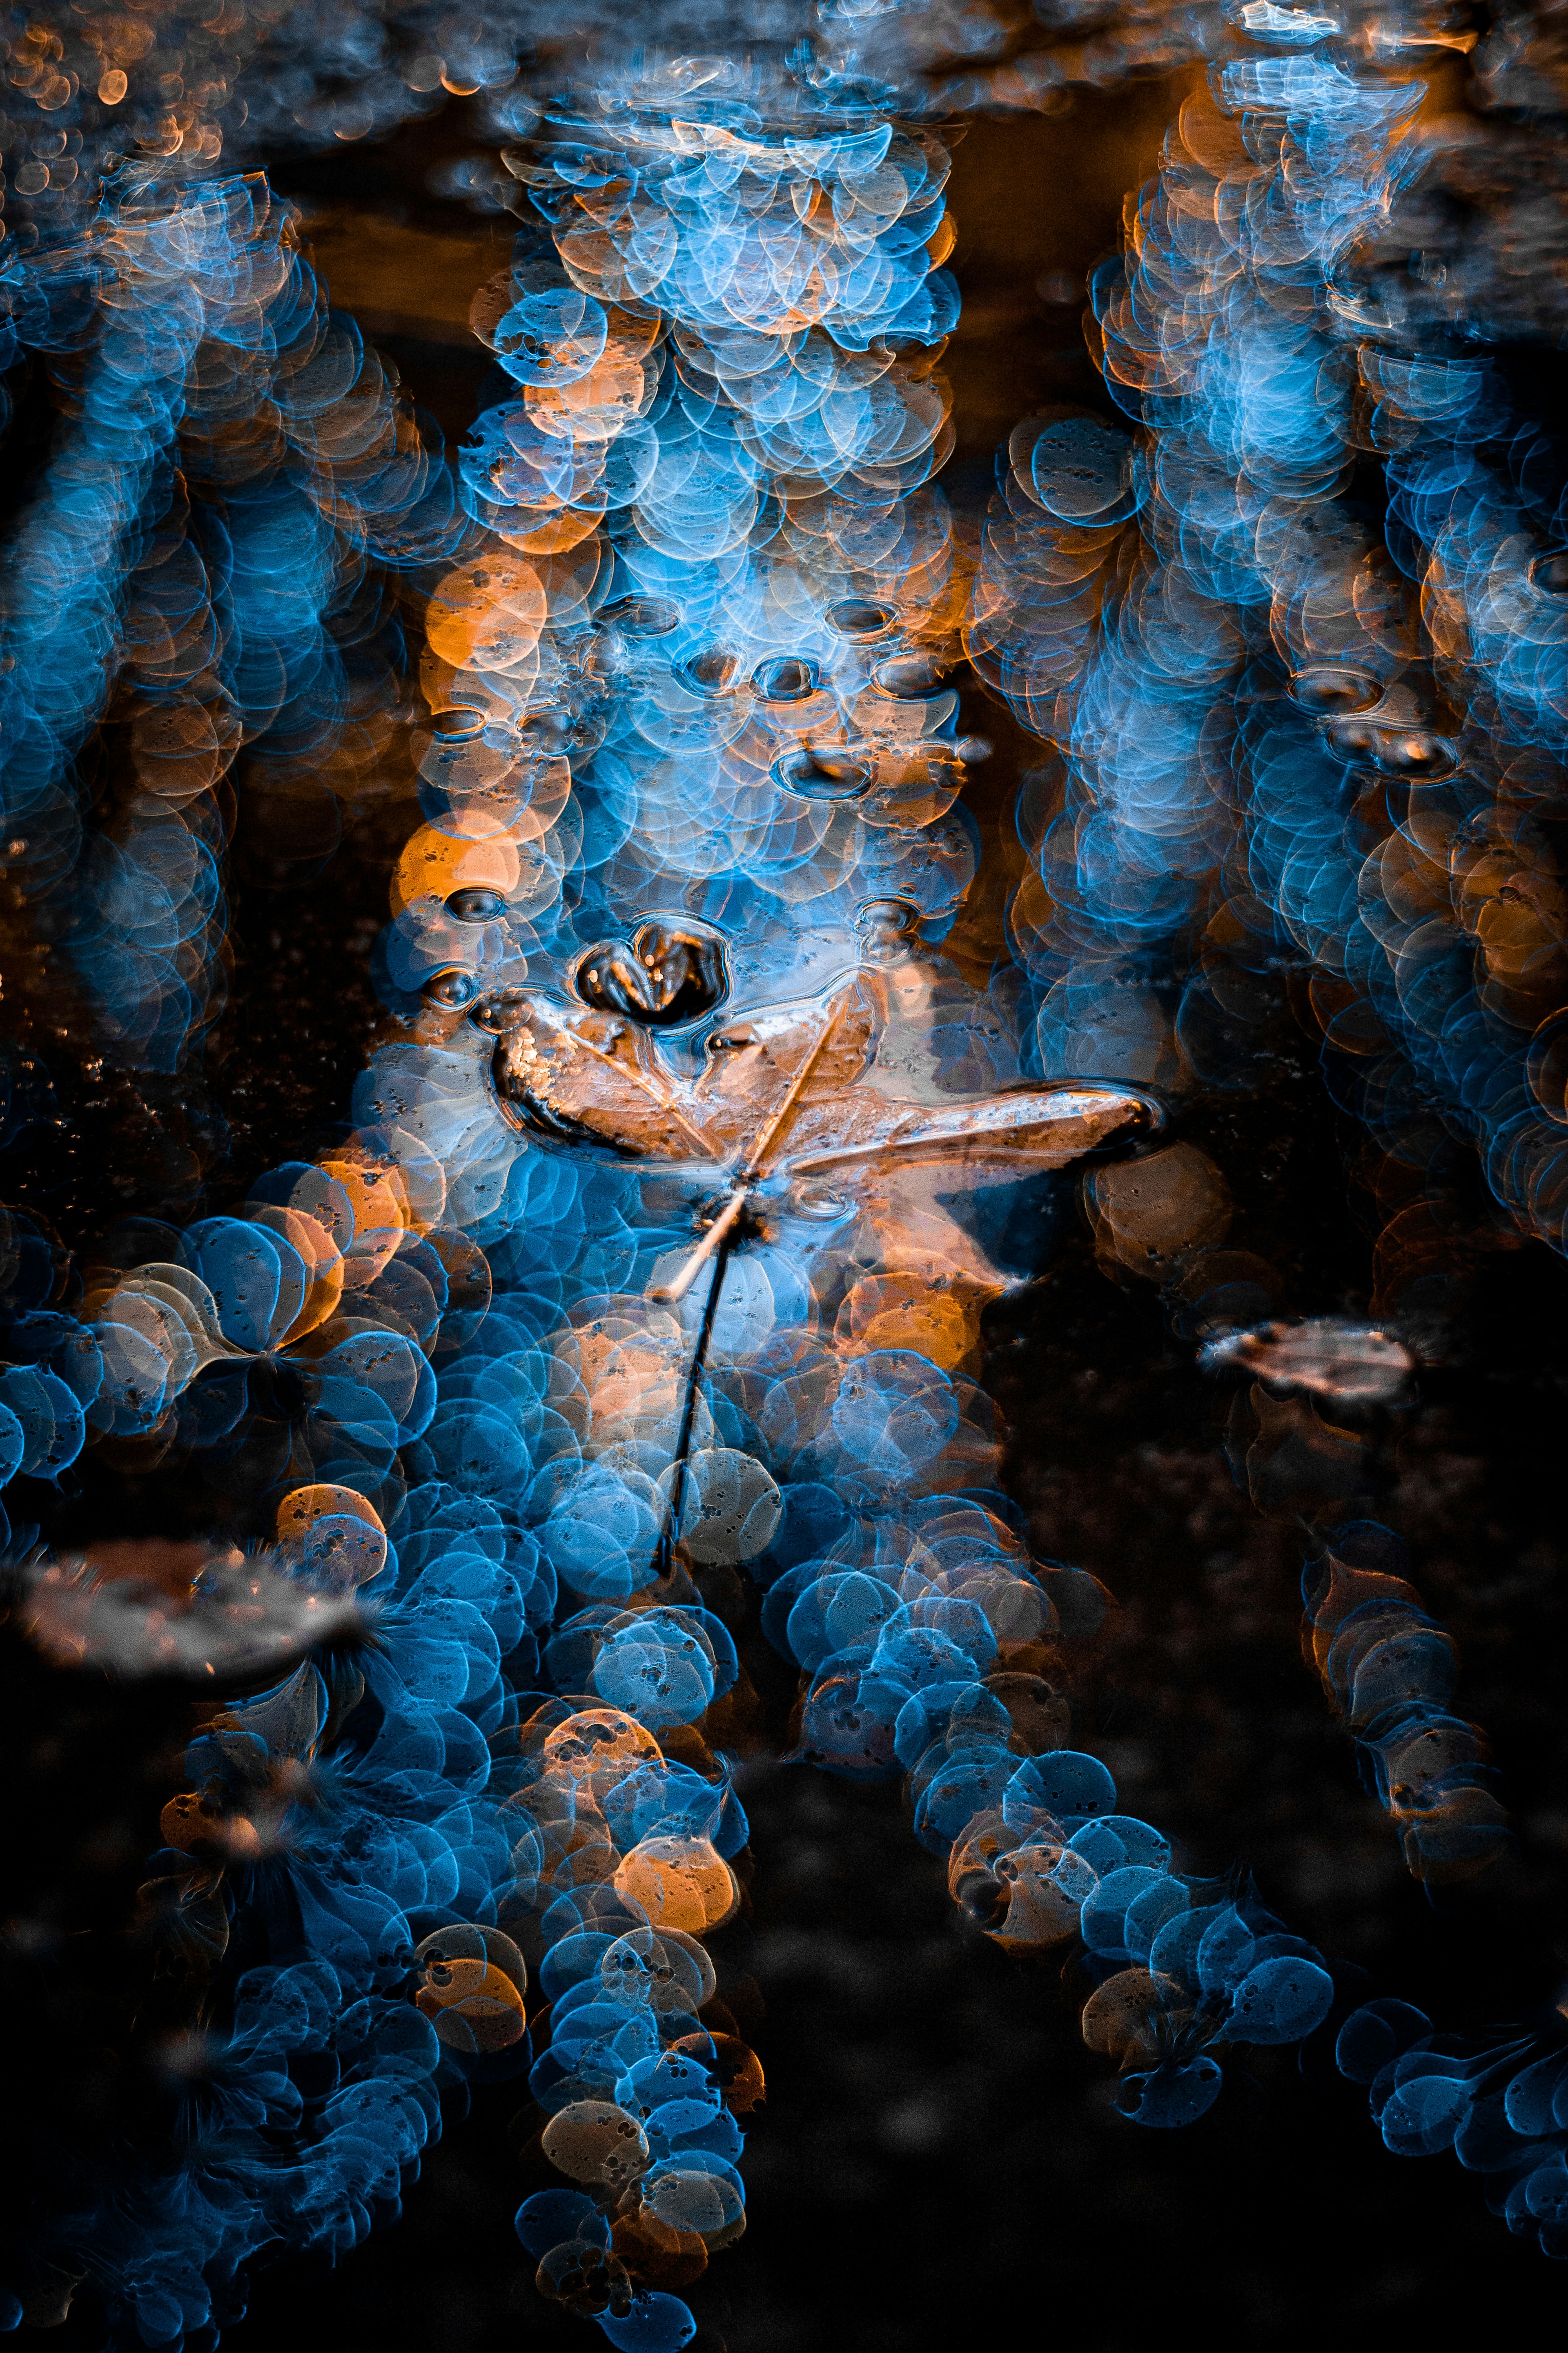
(783, 1133)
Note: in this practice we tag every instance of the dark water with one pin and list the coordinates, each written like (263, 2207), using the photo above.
(939, 2159)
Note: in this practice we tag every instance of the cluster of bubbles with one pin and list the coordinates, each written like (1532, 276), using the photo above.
(1312, 1399)
(1295, 725)
(1501, 2108)
(54, 1370)
(572, 1838)
(687, 657)
(692, 656)
(289, 1345)
(922, 1650)
(200, 565)
(894, 1577)
(507, 1447)
(1389, 1669)
(921, 1644)
(342, 1851)
(191, 88)
(192, 91)
(1178, 1967)
(707, 556)
(1273, 770)
(640, 2095)
(393, 1843)
(684, 636)
(1288, 733)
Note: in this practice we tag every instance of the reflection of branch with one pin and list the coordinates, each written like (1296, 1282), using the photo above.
(753, 1166)
(681, 1283)
(716, 1238)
